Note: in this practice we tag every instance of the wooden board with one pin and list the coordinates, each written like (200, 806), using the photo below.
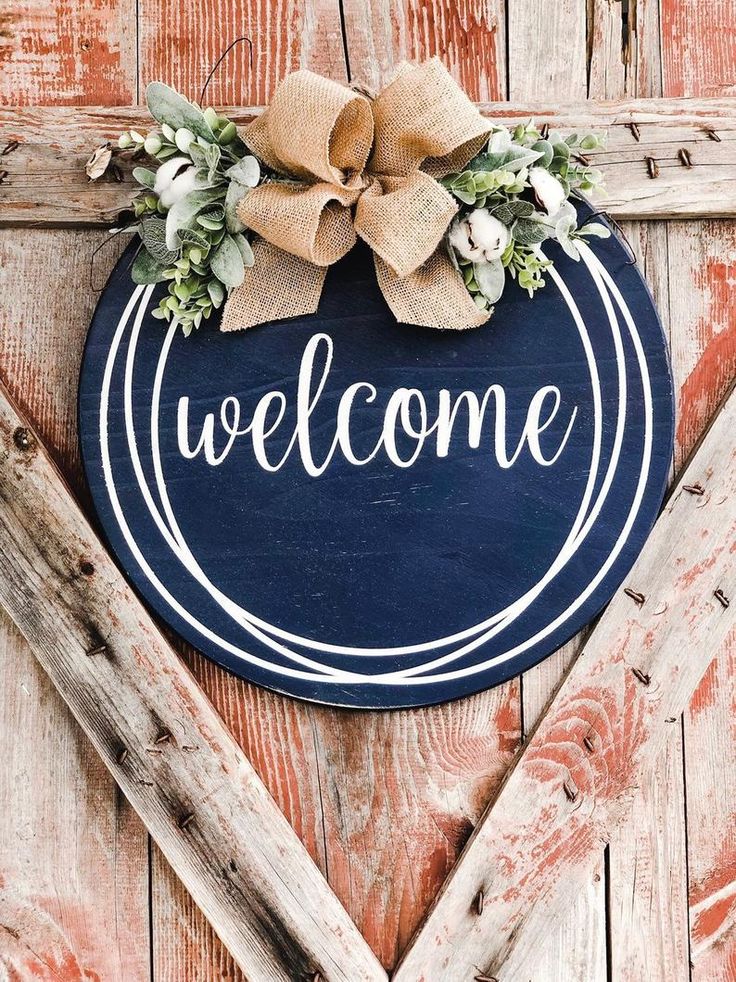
(413, 783)
(46, 183)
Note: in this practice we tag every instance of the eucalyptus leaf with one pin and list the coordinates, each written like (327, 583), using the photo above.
(491, 279)
(167, 106)
(146, 270)
(227, 263)
(144, 176)
(547, 151)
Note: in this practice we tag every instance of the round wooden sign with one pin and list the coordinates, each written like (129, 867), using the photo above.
(367, 514)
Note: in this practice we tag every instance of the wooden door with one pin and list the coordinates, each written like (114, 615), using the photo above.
(384, 802)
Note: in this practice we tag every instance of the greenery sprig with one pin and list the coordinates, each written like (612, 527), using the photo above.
(191, 236)
(514, 196)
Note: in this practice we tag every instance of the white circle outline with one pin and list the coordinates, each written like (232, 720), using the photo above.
(354, 676)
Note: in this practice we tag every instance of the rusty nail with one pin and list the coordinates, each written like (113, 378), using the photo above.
(570, 792)
(479, 902)
(693, 488)
(9, 147)
(634, 131)
(122, 756)
(581, 158)
(99, 650)
(544, 132)
(685, 157)
(652, 167)
(163, 737)
(638, 598)
(671, 719)
(712, 134)
(85, 44)
(642, 676)
(23, 438)
(721, 598)
(186, 820)
(588, 744)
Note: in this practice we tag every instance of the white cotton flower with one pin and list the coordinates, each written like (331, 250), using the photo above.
(549, 192)
(479, 237)
(182, 184)
(168, 171)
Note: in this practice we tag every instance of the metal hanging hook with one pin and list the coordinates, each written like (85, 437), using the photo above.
(220, 60)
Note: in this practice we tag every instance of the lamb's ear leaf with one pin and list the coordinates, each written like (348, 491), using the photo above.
(146, 270)
(167, 106)
(491, 279)
(227, 263)
(235, 193)
(245, 250)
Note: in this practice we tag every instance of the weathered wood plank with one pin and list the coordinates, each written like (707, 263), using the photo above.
(73, 855)
(646, 857)
(699, 44)
(547, 59)
(180, 42)
(46, 183)
(468, 35)
(67, 53)
(155, 730)
(562, 799)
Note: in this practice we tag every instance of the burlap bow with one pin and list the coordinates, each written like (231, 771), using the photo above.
(359, 167)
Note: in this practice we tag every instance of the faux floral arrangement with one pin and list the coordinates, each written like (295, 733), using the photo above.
(491, 217)
(191, 236)
(514, 196)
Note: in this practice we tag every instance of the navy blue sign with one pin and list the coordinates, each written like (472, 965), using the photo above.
(358, 512)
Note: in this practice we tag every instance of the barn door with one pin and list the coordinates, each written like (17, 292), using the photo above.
(384, 802)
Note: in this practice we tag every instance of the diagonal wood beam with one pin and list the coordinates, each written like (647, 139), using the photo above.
(574, 781)
(44, 181)
(160, 737)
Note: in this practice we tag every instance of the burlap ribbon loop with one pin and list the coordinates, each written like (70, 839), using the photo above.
(351, 167)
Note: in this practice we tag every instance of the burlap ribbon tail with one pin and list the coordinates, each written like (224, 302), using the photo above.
(353, 167)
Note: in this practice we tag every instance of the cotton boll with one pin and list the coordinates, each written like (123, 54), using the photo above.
(168, 171)
(479, 236)
(549, 192)
(182, 184)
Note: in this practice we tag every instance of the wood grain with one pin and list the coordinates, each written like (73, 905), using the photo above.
(551, 64)
(561, 799)
(468, 35)
(155, 730)
(73, 855)
(46, 183)
(699, 47)
(646, 858)
(68, 53)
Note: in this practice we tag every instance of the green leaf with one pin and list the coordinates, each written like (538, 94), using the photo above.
(153, 234)
(246, 172)
(227, 263)
(547, 151)
(235, 194)
(144, 176)
(528, 233)
(216, 291)
(146, 270)
(491, 279)
(596, 229)
(245, 250)
(167, 106)
(183, 212)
